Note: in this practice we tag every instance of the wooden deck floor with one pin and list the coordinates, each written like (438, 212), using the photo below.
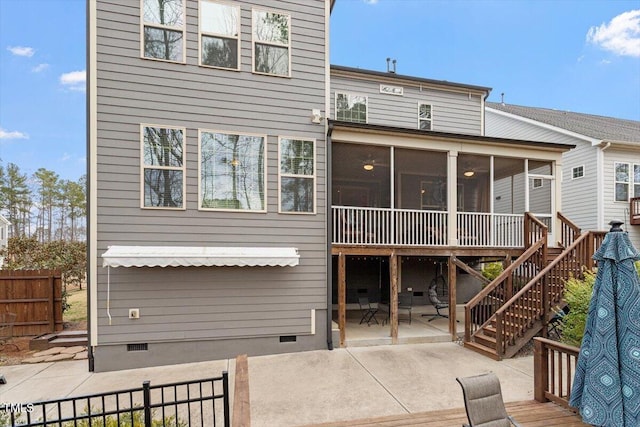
(528, 414)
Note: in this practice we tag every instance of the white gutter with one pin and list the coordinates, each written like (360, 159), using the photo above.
(600, 222)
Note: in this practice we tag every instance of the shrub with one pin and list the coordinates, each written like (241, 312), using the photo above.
(577, 294)
(492, 270)
(125, 420)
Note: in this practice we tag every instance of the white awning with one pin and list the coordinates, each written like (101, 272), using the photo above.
(198, 256)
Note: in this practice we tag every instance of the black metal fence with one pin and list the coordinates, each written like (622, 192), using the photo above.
(182, 404)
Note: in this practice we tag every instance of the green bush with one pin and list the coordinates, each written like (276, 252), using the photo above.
(638, 267)
(577, 294)
(492, 270)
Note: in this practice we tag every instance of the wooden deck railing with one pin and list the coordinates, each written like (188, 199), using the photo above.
(634, 211)
(410, 227)
(569, 231)
(554, 367)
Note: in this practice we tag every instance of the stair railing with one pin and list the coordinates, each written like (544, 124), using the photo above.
(533, 302)
(480, 309)
(569, 231)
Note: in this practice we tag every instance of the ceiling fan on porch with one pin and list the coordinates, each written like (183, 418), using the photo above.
(370, 163)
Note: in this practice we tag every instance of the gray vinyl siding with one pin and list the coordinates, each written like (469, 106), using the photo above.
(198, 303)
(613, 209)
(453, 111)
(579, 196)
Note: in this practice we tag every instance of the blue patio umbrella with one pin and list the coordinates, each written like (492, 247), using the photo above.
(606, 386)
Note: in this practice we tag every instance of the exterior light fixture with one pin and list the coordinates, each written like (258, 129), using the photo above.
(235, 163)
(368, 166)
(469, 173)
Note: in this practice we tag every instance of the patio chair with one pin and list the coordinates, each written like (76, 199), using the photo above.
(7, 320)
(368, 311)
(405, 302)
(557, 322)
(435, 301)
(483, 402)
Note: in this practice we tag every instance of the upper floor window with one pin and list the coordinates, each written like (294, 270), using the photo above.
(163, 27)
(627, 181)
(271, 43)
(232, 171)
(219, 34)
(297, 175)
(351, 108)
(424, 117)
(163, 167)
(577, 172)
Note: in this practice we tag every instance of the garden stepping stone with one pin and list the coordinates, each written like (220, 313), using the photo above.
(60, 356)
(49, 352)
(73, 350)
(81, 355)
(35, 359)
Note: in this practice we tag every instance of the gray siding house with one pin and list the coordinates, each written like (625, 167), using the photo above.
(244, 194)
(601, 176)
(207, 179)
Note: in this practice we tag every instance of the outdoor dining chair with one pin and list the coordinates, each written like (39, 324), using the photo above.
(483, 402)
(368, 311)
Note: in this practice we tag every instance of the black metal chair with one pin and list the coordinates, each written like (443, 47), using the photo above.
(483, 401)
(368, 311)
(557, 322)
(405, 303)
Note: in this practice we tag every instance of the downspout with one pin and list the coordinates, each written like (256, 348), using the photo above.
(600, 221)
(328, 194)
(90, 15)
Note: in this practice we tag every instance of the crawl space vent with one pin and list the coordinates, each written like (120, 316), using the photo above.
(288, 338)
(138, 347)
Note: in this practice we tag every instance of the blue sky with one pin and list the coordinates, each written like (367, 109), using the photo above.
(581, 56)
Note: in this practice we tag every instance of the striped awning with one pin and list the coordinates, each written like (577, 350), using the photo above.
(199, 256)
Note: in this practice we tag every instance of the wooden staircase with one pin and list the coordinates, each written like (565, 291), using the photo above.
(518, 304)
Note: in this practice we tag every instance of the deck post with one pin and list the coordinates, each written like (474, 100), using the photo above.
(393, 304)
(540, 371)
(342, 297)
(452, 298)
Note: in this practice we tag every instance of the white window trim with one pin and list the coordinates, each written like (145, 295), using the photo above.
(420, 120)
(628, 183)
(535, 180)
(165, 27)
(224, 36)
(287, 175)
(573, 169)
(254, 41)
(266, 163)
(143, 166)
(335, 104)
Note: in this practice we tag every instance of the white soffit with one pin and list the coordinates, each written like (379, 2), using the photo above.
(199, 256)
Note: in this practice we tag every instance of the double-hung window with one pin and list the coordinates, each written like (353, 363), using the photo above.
(627, 181)
(297, 175)
(271, 43)
(351, 108)
(219, 35)
(163, 167)
(232, 173)
(163, 23)
(425, 121)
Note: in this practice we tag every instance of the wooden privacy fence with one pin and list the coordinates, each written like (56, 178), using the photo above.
(36, 297)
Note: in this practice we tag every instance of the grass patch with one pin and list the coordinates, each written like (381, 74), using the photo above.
(77, 311)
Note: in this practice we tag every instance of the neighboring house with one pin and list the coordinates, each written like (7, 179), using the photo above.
(241, 188)
(601, 178)
(4, 235)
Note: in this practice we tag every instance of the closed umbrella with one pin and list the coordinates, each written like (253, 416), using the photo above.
(606, 386)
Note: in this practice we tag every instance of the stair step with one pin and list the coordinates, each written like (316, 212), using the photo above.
(59, 339)
(485, 340)
(485, 351)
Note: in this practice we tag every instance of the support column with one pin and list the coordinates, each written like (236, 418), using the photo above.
(393, 297)
(342, 298)
(452, 198)
(452, 299)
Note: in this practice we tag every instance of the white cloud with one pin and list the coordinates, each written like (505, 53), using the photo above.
(605, 62)
(620, 36)
(40, 67)
(4, 134)
(370, 1)
(65, 157)
(75, 80)
(21, 51)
